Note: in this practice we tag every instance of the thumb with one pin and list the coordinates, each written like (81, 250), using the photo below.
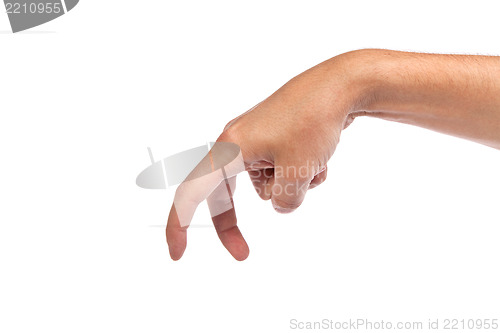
(291, 183)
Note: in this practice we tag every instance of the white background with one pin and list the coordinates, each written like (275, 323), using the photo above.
(406, 227)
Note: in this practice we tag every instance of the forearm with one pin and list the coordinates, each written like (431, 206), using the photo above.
(453, 94)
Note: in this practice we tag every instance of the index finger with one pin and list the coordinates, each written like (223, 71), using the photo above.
(222, 162)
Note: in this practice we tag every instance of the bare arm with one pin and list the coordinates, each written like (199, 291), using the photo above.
(287, 140)
(453, 94)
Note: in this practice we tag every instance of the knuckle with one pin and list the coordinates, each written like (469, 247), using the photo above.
(321, 178)
(228, 125)
(229, 135)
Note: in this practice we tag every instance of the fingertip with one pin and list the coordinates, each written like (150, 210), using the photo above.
(287, 196)
(282, 207)
(282, 210)
(241, 258)
(235, 244)
(176, 244)
(176, 254)
(176, 236)
(242, 253)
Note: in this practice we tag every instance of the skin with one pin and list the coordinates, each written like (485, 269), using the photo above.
(300, 124)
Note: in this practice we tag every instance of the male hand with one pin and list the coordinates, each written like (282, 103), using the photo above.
(287, 140)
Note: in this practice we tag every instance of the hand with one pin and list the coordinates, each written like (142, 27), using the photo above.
(286, 142)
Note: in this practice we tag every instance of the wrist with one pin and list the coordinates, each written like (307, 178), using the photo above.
(384, 83)
(360, 74)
